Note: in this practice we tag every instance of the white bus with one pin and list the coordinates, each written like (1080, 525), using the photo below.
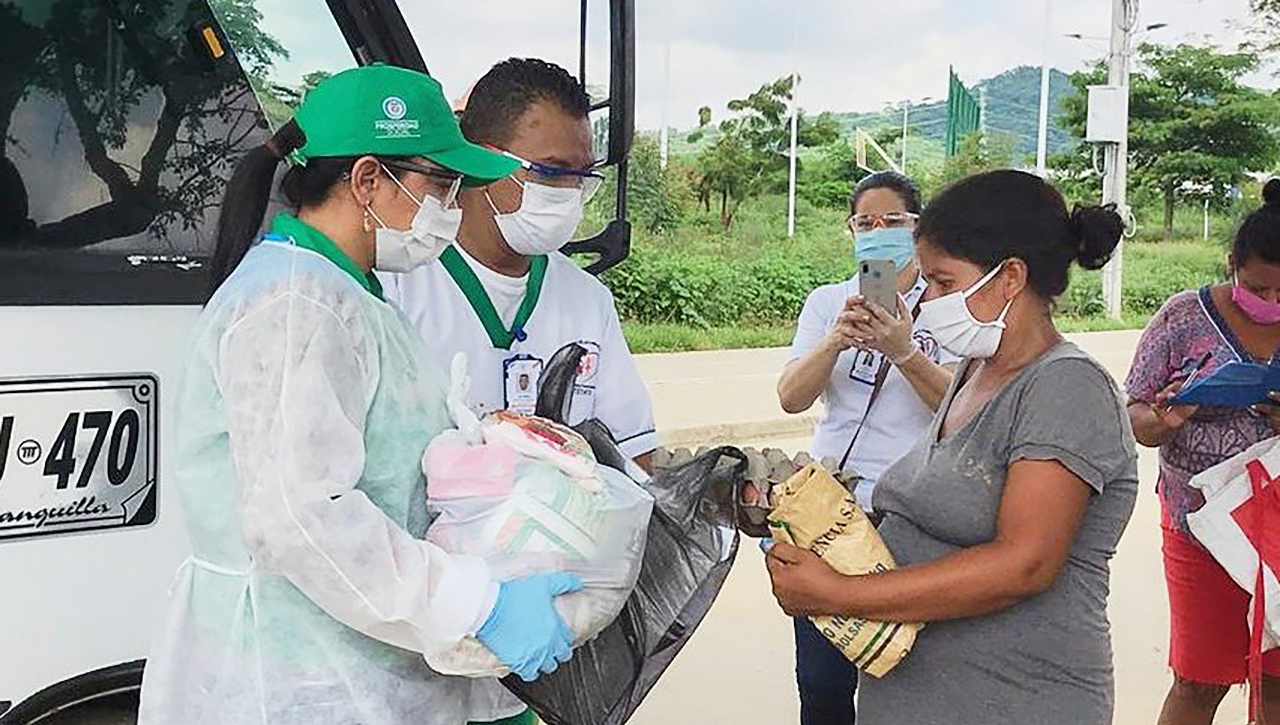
(122, 121)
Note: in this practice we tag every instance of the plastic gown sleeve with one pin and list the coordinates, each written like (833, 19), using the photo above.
(297, 383)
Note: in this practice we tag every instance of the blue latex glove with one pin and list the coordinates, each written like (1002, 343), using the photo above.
(524, 631)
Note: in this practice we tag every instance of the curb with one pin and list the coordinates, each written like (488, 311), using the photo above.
(733, 433)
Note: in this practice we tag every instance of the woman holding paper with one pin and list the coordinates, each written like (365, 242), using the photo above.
(1195, 333)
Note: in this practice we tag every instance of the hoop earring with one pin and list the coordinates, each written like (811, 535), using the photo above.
(368, 225)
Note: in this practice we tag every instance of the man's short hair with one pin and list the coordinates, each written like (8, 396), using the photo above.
(502, 96)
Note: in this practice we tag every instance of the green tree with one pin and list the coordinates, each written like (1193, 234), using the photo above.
(829, 177)
(1195, 129)
(978, 152)
(749, 154)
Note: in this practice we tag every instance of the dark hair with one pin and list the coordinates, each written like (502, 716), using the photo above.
(1259, 236)
(988, 218)
(249, 190)
(502, 96)
(904, 187)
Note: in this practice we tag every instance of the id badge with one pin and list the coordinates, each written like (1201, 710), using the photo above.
(521, 376)
(866, 364)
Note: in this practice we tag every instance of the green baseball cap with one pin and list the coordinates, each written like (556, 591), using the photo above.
(390, 111)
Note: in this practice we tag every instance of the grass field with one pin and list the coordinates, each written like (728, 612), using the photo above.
(704, 288)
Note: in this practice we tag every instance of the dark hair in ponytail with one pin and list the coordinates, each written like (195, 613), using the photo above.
(988, 218)
(1259, 236)
(245, 201)
(249, 190)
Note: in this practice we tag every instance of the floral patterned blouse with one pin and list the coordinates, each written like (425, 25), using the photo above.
(1189, 336)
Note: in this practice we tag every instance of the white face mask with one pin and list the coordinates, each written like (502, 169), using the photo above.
(546, 220)
(403, 250)
(956, 329)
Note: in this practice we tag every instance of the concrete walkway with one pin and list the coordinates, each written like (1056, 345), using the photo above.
(703, 398)
(738, 668)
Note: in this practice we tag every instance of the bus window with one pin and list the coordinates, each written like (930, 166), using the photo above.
(292, 46)
(123, 122)
(122, 125)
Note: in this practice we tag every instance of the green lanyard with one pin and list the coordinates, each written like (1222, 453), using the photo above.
(473, 290)
(286, 227)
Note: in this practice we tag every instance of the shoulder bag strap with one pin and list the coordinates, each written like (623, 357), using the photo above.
(882, 373)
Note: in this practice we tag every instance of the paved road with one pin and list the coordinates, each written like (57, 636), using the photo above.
(738, 667)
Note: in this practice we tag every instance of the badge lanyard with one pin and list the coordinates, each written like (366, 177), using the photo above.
(473, 290)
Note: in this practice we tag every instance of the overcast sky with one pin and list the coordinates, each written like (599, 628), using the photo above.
(852, 54)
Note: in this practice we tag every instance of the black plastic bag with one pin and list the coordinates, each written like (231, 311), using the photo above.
(691, 548)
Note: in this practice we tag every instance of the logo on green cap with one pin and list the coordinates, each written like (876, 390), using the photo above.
(395, 125)
(394, 108)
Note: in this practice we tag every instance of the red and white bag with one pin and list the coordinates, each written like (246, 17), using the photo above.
(1238, 525)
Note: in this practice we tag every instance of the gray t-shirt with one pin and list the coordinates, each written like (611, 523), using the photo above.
(1046, 660)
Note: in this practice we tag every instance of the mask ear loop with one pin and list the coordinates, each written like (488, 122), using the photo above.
(494, 207)
(368, 210)
(995, 272)
(986, 280)
(400, 185)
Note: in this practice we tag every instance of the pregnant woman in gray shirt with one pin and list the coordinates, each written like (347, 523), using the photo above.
(1005, 516)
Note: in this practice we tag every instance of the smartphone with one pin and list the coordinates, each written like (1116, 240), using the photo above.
(878, 283)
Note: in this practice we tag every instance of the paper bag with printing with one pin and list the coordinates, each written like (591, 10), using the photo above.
(813, 511)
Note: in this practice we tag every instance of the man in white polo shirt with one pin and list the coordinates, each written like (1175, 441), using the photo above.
(503, 294)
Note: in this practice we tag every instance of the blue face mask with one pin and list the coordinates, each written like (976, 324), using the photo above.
(898, 245)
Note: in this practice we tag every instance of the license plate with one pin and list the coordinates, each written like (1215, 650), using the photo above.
(77, 454)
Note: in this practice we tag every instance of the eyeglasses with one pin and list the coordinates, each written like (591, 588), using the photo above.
(892, 220)
(450, 181)
(588, 180)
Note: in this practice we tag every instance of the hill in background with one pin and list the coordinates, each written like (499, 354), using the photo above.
(1012, 108)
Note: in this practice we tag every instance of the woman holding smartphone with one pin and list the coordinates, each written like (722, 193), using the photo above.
(880, 375)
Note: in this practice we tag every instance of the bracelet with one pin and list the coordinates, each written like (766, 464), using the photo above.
(914, 351)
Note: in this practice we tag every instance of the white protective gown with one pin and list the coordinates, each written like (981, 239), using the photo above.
(310, 595)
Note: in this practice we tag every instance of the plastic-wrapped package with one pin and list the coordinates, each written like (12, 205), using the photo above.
(526, 516)
(691, 545)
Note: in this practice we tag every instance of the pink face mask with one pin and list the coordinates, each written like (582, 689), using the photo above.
(1254, 307)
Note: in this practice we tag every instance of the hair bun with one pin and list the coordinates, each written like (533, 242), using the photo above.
(1271, 193)
(1097, 230)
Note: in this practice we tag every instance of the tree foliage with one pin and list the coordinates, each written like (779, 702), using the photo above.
(749, 152)
(1195, 130)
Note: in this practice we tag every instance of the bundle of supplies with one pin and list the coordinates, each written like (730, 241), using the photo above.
(690, 549)
(1238, 524)
(527, 495)
(813, 511)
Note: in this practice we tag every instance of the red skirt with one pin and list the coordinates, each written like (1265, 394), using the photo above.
(1209, 631)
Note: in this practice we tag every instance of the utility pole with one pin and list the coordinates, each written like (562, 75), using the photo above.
(795, 124)
(664, 136)
(1042, 145)
(1124, 15)
(982, 113)
(906, 114)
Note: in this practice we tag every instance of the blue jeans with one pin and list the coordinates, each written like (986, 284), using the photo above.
(827, 680)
